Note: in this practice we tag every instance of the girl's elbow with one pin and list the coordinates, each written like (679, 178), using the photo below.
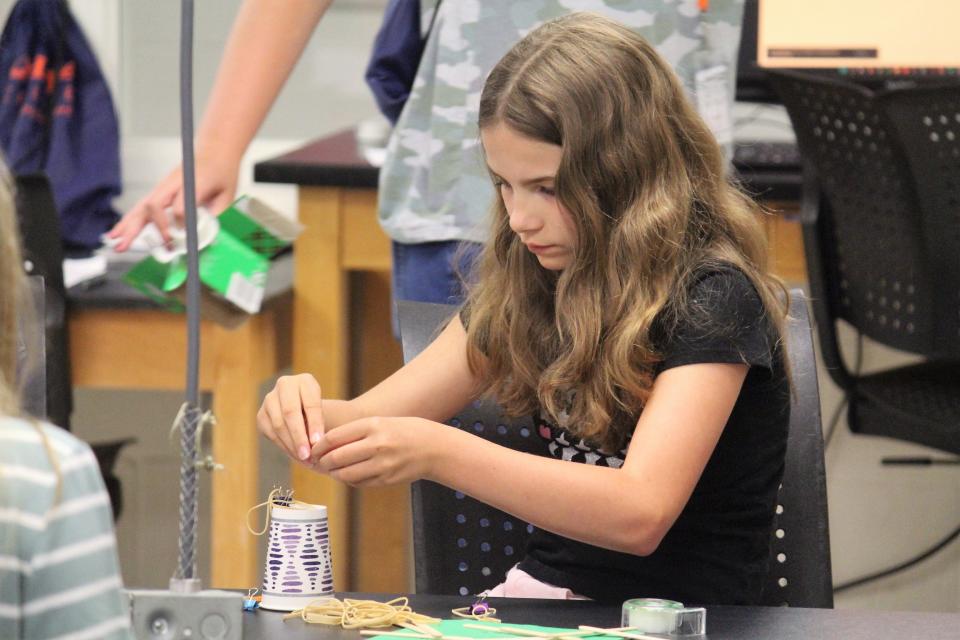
(645, 532)
(646, 543)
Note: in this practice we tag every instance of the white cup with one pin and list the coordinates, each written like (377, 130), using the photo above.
(297, 569)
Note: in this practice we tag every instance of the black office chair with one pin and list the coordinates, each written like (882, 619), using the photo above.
(31, 351)
(462, 546)
(799, 573)
(881, 227)
(43, 255)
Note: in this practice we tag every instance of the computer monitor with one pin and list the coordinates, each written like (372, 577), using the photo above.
(752, 85)
(860, 37)
(884, 43)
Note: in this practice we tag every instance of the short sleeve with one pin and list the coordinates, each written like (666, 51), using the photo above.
(725, 322)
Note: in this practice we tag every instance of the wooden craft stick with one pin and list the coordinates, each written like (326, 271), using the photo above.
(530, 633)
(514, 630)
(416, 627)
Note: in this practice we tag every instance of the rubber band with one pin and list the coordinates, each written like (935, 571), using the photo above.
(360, 614)
(279, 497)
(479, 610)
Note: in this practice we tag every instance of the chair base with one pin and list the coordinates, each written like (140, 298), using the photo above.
(918, 403)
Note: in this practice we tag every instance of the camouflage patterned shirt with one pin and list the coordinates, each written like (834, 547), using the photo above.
(434, 185)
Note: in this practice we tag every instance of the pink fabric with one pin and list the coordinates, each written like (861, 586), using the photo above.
(520, 584)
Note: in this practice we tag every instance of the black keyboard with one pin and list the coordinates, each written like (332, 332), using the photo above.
(759, 155)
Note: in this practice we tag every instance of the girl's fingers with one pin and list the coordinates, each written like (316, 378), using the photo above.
(363, 473)
(345, 433)
(312, 401)
(265, 422)
(345, 455)
(277, 429)
(291, 412)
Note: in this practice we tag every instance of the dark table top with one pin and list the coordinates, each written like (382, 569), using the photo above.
(111, 292)
(723, 623)
(335, 161)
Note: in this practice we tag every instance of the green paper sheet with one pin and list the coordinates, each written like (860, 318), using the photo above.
(456, 628)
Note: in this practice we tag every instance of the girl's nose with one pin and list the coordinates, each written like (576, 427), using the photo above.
(523, 219)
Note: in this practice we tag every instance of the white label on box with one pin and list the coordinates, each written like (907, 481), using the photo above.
(245, 293)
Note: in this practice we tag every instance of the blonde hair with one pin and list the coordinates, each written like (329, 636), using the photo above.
(646, 186)
(14, 308)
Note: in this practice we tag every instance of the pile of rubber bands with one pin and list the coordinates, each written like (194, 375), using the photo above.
(360, 614)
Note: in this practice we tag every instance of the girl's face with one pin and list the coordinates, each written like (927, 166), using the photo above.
(525, 172)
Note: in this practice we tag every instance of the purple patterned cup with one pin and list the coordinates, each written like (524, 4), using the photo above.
(297, 568)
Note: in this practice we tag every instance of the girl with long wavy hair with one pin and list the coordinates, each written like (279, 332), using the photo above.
(624, 300)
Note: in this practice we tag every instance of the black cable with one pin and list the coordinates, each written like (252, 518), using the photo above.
(923, 461)
(190, 203)
(906, 564)
(844, 586)
(834, 419)
(185, 578)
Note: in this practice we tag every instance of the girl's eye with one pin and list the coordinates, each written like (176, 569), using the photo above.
(547, 191)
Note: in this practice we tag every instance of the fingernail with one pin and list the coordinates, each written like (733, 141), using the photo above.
(315, 437)
(303, 452)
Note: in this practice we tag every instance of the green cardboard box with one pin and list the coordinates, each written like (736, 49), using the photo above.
(233, 266)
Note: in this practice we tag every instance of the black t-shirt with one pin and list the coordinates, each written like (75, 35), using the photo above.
(717, 550)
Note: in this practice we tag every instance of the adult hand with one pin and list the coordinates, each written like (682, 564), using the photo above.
(291, 415)
(215, 188)
(379, 451)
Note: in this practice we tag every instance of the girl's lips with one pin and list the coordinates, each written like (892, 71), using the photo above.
(539, 248)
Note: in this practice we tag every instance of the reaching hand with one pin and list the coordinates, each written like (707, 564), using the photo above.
(291, 415)
(379, 451)
(215, 189)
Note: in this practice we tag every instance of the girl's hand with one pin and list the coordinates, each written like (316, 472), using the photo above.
(291, 415)
(379, 451)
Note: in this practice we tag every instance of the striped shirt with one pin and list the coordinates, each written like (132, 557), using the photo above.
(59, 574)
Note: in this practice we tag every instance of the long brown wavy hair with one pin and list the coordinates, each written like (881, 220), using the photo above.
(646, 185)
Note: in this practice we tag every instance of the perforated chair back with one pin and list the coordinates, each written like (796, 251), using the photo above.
(460, 545)
(881, 224)
(799, 573)
(882, 249)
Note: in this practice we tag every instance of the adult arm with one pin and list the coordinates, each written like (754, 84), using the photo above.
(265, 43)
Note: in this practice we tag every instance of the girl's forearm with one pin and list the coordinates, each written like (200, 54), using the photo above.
(597, 505)
(338, 412)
